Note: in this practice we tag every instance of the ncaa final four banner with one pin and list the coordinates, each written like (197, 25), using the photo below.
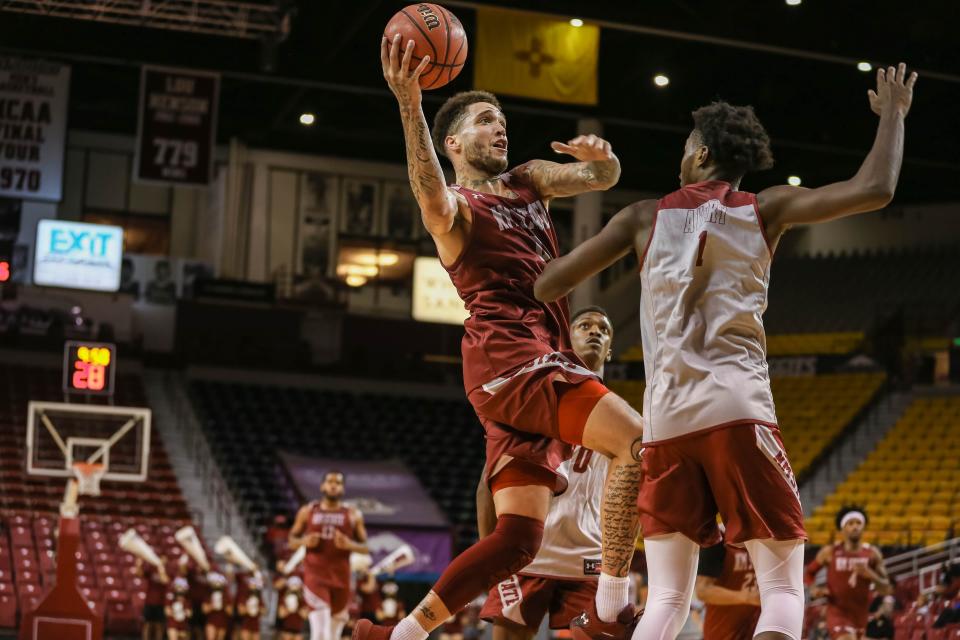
(177, 127)
(33, 128)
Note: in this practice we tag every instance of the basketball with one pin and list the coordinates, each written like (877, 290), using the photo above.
(436, 33)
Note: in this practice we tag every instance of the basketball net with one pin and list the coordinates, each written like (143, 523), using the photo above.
(88, 477)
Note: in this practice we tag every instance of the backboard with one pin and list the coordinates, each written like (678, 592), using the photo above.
(59, 434)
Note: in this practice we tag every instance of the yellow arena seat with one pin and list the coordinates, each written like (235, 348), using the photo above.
(910, 483)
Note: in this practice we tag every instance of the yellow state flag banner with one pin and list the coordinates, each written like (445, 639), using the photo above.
(535, 56)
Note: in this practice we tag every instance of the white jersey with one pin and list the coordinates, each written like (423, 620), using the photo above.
(571, 533)
(705, 274)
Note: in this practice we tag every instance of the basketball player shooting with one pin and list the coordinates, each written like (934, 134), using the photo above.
(331, 532)
(534, 397)
(709, 420)
(562, 579)
(852, 567)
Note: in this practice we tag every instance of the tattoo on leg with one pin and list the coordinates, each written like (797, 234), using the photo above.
(636, 449)
(620, 523)
(428, 613)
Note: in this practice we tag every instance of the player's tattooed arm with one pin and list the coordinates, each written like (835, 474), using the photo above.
(624, 231)
(598, 168)
(873, 185)
(438, 205)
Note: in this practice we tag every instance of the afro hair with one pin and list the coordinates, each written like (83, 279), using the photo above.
(737, 141)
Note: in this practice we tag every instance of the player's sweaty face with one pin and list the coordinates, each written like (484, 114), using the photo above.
(853, 529)
(484, 138)
(332, 486)
(591, 335)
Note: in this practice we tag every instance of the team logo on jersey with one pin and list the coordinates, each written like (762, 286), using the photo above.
(591, 566)
(526, 217)
(711, 211)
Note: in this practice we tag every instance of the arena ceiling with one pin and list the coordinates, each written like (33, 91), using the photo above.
(816, 111)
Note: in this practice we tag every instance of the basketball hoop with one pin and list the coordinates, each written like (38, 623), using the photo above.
(88, 477)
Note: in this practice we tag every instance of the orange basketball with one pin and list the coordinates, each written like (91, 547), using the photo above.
(437, 33)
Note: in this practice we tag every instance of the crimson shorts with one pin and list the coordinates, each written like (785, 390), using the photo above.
(319, 595)
(840, 624)
(522, 601)
(520, 413)
(740, 471)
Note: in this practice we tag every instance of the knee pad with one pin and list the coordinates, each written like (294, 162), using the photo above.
(518, 539)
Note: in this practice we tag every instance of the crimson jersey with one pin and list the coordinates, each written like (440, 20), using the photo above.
(325, 564)
(849, 592)
(509, 243)
(732, 569)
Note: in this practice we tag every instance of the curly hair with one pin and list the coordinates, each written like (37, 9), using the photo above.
(737, 141)
(452, 112)
(591, 309)
(849, 508)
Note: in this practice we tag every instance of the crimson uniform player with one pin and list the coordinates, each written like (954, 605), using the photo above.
(562, 580)
(330, 531)
(533, 396)
(710, 427)
(852, 568)
(727, 585)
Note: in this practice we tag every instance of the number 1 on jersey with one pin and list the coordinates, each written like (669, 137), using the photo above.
(703, 244)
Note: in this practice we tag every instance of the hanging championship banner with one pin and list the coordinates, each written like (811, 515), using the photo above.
(33, 128)
(178, 125)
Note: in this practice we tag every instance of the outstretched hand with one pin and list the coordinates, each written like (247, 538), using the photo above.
(402, 80)
(585, 148)
(894, 92)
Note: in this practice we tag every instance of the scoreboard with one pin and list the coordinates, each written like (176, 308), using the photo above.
(89, 367)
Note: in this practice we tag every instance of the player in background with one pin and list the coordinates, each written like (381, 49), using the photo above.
(534, 398)
(853, 567)
(710, 427)
(330, 531)
(727, 585)
(562, 579)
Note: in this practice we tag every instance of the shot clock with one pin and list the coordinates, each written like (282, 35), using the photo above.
(89, 367)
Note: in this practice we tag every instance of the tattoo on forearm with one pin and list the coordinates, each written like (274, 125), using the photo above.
(578, 177)
(426, 176)
(620, 522)
(428, 613)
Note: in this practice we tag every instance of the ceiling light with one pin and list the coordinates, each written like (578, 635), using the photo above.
(793, 181)
(794, 3)
(384, 259)
(307, 119)
(356, 281)
(367, 271)
(864, 66)
(661, 80)
(576, 22)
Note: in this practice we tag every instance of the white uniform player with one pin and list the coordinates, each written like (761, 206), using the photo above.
(562, 579)
(710, 431)
(705, 276)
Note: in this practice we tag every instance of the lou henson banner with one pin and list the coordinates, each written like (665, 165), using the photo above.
(33, 126)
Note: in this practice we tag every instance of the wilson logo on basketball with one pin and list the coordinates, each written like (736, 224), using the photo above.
(429, 17)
